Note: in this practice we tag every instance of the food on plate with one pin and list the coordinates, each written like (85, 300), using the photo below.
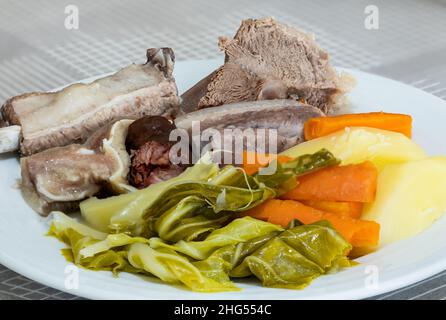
(358, 144)
(200, 199)
(279, 258)
(270, 60)
(410, 197)
(148, 144)
(322, 126)
(135, 154)
(58, 178)
(254, 161)
(360, 233)
(297, 256)
(238, 230)
(286, 116)
(285, 211)
(351, 209)
(350, 183)
(71, 115)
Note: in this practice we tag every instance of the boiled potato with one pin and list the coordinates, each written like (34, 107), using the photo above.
(410, 197)
(358, 144)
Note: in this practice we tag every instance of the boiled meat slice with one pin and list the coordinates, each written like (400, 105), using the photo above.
(286, 117)
(71, 115)
(58, 178)
(269, 60)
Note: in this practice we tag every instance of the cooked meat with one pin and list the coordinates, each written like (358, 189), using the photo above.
(285, 116)
(148, 128)
(149, 145)
(59, 177)
(71, 115)
(269, 60)
(151, 164)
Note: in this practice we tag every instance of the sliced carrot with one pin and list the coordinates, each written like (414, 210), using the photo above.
(360, 233)
(351, 183)
(319, 127)
(254, 161)
(351, 209)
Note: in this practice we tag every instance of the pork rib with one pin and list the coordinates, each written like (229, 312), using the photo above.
(71, 115)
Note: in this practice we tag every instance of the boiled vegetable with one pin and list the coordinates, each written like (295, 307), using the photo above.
(91, 249)
(356, 145)
(322, 126)
(360, 233)
(410, 197)
(253, 161)
(289, 259)
(282, 176)
(124, 212)
(221, 263)
(337, 183)
(184, 208)
(351, 209)
(243, 248)
(173, 268)
(238, 230)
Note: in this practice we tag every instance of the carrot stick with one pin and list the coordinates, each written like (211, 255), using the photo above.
(254, 161)
(319, 127)
(351, 209)
(351, 183)
(360, 233)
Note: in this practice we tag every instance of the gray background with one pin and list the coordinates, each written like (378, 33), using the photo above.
(37, 52)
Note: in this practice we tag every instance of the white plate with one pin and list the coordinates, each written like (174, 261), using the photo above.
(25, 249)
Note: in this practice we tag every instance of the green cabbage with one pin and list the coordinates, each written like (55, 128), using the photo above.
(297, 256)
(198, 201)
(124, 212)
(288, 259)
(238, 230)
(178, 230)
(222, 261)
(244, 247)
(92, 249)
(170, 267)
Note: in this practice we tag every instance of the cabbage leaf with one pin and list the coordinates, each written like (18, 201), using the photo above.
(92, 249)
(124, 213)
(297, 256)
(238, 230)
(171, 267)
(288, 259)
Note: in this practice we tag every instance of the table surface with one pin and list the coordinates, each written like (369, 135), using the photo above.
(38, 52)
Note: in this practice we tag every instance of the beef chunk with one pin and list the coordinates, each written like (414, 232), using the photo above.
(269, 60)
(150, 164)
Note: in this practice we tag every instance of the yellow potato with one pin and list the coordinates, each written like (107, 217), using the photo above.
(410, 197)
(358, 144)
